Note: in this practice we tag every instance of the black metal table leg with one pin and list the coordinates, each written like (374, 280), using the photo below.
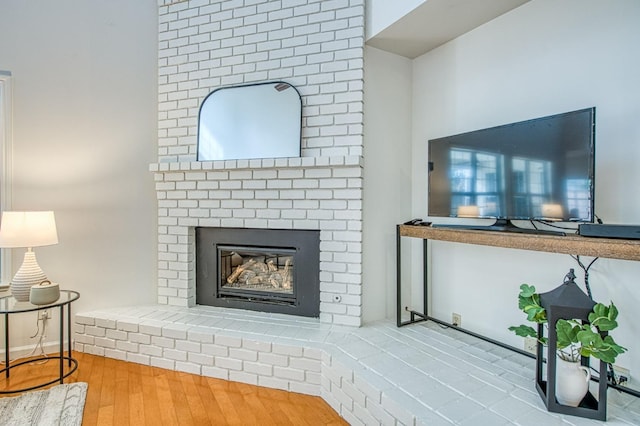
(69, 343)
(6, 345)
(61, 344)
(398, 279)
(413, 314)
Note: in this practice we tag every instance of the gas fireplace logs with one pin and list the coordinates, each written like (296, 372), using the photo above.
(261, 273)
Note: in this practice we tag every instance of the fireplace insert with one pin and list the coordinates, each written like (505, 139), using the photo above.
(265, 270)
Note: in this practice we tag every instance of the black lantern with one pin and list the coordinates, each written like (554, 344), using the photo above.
(567, 302)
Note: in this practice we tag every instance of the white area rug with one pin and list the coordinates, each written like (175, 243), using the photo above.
(61, 405)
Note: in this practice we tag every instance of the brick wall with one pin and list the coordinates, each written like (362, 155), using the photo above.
(318, 47)
(272, 194)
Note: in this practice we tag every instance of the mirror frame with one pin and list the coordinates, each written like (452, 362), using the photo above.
(290, 150)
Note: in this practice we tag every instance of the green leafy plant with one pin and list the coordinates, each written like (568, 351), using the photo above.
(574, 339)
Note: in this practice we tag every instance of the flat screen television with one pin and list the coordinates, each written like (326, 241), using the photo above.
(536, 170)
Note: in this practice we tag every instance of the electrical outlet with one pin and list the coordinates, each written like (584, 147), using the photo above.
(531, 345)
(456, 319)
(621, 373)
(46, 314)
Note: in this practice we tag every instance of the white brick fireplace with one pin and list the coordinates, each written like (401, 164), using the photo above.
(297, 193)
(317, 46)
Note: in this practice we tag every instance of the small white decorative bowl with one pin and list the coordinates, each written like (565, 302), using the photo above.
(44, 293)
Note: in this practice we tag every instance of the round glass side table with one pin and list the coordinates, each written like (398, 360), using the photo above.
(9, 307)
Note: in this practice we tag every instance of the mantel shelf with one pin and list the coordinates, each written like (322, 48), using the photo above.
(570, 244)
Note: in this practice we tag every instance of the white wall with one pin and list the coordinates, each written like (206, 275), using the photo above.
(382, 13)
(84, 134)
(387, 175)
(543, 58)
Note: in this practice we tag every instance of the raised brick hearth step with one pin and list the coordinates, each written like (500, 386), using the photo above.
(376, 374)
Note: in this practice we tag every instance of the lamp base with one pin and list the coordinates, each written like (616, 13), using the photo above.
(28, 275)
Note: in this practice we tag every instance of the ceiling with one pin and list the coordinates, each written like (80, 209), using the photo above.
(436, 22)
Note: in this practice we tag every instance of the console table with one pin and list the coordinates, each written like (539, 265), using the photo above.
(9, 306)
(570, 244)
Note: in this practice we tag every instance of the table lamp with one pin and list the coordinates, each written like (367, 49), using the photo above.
(27, 229)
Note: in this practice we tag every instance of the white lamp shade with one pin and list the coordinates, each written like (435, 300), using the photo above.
(28, 229)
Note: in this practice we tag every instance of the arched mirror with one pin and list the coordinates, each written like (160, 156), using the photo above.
(253, 121)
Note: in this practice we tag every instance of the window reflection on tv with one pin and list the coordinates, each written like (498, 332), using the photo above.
(540, 169)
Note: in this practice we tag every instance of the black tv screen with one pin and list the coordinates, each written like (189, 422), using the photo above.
(540, 169)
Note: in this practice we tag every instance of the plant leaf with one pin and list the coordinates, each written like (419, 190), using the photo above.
(613, 312)
(566, 333)
(608, 355)
(605, 324)
(604, 317)
(599, 310)
(527, 290)
(587, 337)
(524, 331)
(617, 348)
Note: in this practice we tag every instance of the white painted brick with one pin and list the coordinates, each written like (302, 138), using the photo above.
(339, 372)
(188, 367)
(104, 342)
(305, 388)
(350, 418)
(162, 363)
(215, 350)
(201, 334)
(84, 319)
(377, 412)
(175, 331)
(127, 346)
(162, 342)
(257, 368)
(116, 334)
(244, 377)
(342, 397)
(81, 338)
(351, 321)
(292, 194)
(116, 354)
(175, 355)
(230, 341)
(305, 364)
(273, 382)
(228, 363)
(313, 353)
(216, 372)
(312, 378)
(243, 354)
(140, 338)
(201, 359)
(288, 373)
(105, 322)
(94, 350)
(95, 331)
(188, 346)
(138, 358)
(353, 393)
(150, 350)
(396, 410)
(128, 326)
(273, 359)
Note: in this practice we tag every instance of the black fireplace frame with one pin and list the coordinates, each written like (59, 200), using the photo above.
(306, 251)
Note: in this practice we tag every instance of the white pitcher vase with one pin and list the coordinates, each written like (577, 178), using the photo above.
(572, 382)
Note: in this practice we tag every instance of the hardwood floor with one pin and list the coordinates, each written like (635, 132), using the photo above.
(123, 393)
